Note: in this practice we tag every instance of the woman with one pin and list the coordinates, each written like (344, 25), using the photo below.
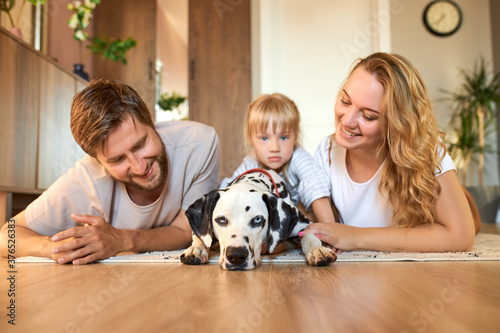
(392, 181)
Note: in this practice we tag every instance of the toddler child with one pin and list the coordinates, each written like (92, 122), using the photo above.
(272, 130)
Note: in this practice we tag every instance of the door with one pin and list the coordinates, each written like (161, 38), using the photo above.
(123, 19)
(220, 72)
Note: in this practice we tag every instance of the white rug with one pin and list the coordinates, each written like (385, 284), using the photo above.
(486, 247)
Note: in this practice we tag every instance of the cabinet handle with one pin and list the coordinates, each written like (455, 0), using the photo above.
(191, 69)
(150, 70)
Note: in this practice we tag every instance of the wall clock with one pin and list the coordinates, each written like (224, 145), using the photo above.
(442, 17)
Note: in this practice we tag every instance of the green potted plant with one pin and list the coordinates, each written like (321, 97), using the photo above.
(474, 115)
(170, 102)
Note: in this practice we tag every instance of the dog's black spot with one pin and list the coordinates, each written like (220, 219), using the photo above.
(246, 239)
(257, 181)
(282, 218)
(252, 190)
(270, 239)
(233, 236)
(236, 181)
(247, 208)
(199, 214)
(266, 184)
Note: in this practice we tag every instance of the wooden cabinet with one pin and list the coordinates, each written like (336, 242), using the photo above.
(57, 150)
(19, 103)
(35, 104)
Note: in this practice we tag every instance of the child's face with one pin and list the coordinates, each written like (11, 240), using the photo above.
(273, 149)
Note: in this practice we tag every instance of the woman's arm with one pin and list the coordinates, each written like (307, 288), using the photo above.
(452, 231)
(322, 210)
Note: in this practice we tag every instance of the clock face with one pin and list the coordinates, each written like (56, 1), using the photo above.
(442, 17)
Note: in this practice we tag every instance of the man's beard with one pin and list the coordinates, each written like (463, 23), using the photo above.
(161, 177)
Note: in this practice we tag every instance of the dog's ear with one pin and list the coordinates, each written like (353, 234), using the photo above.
(199, 215)
(282, 219)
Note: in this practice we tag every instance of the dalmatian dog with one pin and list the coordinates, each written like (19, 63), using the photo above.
(254, 208)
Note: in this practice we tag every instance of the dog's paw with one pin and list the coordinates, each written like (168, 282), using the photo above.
(194, 256)
(321, 256)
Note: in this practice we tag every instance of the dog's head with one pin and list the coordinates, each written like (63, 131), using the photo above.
(241, 217)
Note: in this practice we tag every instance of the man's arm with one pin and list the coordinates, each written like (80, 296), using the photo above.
(96, 240)
(28, 242)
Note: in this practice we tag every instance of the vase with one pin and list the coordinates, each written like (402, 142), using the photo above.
(78, 70)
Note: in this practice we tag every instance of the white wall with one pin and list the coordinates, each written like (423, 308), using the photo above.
(300, 55)
(172, 51)
(304, 49)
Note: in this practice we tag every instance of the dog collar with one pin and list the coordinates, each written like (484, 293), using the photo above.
(261, 171)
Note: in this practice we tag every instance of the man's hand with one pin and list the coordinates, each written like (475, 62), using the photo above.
(82, 245)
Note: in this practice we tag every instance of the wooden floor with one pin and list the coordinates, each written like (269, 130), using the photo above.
(346, 297)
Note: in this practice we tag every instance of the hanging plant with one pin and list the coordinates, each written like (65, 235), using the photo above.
(114, 50)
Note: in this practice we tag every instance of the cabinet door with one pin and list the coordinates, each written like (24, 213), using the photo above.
(123, 19)
(220, 72)
(19, 82)
(58, 151)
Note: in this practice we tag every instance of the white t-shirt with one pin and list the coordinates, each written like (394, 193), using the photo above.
(359, 204)
(305, 180)
(193, 170)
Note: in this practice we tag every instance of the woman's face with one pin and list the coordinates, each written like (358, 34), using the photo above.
(357, 112)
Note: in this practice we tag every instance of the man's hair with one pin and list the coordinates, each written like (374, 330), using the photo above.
(101, 108)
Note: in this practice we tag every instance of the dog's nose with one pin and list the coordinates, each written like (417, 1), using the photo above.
(236, 255)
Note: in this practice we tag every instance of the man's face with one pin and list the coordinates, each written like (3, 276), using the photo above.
(135, 155)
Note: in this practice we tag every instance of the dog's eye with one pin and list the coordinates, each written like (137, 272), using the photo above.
(221, 220)
(257, 221)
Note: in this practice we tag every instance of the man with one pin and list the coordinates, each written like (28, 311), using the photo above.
(130, 192)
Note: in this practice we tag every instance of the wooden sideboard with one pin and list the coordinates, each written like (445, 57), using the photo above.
(36, 141)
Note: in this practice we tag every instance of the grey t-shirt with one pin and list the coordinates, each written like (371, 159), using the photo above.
(87, 188)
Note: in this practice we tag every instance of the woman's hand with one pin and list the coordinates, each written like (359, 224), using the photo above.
(340, 237)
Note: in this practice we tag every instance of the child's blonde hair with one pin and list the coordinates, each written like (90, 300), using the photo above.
(275, 108)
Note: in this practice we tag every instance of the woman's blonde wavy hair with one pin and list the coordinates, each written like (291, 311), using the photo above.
(411, 147)
(275, 109)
